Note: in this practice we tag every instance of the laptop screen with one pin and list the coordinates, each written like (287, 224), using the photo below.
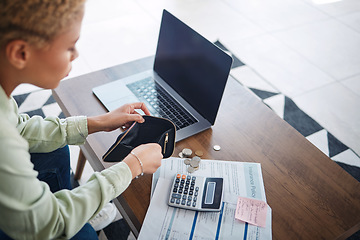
(193, 66)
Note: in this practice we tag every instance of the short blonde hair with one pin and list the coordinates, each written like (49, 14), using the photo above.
(36, 21)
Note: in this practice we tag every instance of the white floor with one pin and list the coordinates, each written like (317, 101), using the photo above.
(307, 49)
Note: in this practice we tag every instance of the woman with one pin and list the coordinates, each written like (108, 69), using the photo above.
(37, 46)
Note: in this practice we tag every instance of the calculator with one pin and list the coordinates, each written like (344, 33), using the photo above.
(196, 193)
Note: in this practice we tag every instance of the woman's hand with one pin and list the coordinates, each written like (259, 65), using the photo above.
(123, 116)
(148, 154)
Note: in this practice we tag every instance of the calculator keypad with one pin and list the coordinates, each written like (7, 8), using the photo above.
(185, 191)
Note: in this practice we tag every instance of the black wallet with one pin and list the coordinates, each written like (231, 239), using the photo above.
(153, 130)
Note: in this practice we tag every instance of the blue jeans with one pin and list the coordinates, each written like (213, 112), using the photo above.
(54, 169)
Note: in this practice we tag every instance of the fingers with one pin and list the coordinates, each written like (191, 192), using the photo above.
(134, 115)
(124, 116)
(142, 106)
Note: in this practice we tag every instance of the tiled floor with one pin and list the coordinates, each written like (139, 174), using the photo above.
(308, 51)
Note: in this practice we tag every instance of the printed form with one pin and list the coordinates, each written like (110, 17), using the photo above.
(240, 179)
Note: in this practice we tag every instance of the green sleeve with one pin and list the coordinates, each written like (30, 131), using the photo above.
(50, 133)
(28, 208)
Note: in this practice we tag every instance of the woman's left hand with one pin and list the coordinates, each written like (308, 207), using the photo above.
(121, 117)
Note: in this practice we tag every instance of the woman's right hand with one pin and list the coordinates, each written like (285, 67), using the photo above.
(150, 156)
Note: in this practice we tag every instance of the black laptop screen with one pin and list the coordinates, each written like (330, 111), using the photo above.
(194, 67)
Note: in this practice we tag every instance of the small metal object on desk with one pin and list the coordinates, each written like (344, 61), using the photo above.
(217, 147)
(193, 164)
(187, 161)
(199, 153)
(186, 152)
(195, 161)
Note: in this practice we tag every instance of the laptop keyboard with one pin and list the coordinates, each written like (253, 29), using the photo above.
(160, 103)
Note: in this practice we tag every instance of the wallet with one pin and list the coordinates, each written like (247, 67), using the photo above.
(153, 130)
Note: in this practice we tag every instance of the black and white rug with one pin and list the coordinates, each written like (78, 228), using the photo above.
(41, 102)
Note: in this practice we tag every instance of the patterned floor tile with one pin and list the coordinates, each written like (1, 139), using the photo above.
(34, 100)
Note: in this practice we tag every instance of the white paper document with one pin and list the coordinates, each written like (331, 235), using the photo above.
(240, 179)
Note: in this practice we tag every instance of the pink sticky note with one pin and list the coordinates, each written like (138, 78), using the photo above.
(252, 211)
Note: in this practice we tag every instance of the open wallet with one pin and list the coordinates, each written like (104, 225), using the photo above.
(153, 130)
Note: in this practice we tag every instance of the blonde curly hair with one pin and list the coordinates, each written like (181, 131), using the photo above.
(36, 21)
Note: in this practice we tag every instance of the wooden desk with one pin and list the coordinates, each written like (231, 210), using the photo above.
(310, 195)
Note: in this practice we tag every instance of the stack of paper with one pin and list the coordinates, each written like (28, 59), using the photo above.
(240, 179)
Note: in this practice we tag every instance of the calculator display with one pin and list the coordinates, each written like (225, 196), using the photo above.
(210, 191)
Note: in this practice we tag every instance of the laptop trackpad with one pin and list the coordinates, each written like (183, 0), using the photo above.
(115, 94)
(119, 102)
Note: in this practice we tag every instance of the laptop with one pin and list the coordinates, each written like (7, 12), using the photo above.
(186, 83)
